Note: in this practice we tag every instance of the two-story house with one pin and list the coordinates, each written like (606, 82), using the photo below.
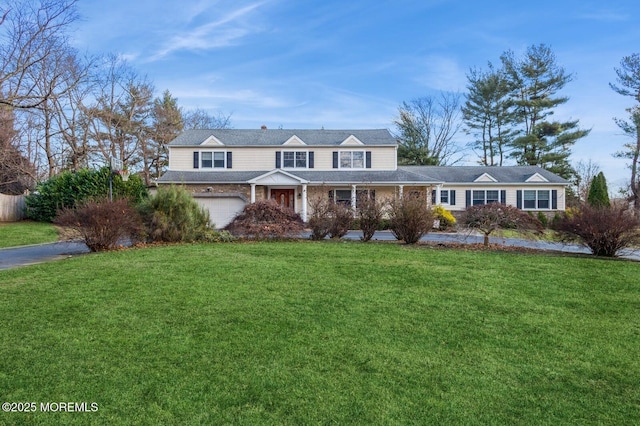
(225, 169)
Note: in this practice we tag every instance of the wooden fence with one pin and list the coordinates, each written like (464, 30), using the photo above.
(11, 208)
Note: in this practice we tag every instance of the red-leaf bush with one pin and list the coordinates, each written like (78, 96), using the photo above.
(266, 219)
(102, 224)
(487, 218)
(604, 230)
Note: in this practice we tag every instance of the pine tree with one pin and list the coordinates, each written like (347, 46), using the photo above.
(535, 81)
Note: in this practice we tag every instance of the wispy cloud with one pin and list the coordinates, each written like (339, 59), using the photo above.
(218, 33)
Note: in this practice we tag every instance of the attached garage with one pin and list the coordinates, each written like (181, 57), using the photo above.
(222, 207)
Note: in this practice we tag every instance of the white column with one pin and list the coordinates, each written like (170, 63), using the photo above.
(304, 202)
(253, 193)
(353, 197)
(400, 189)
(438, 188)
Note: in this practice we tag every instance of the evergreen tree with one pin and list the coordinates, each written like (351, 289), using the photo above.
(598, 192)
(535, 81)
(488, 114)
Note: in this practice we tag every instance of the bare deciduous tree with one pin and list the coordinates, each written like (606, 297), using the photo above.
(427, 127)
(34, 34)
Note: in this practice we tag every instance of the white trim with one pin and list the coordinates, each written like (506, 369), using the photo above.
(294, 159)
(212, 140)
(257, 179)
(364, 159)
(485, 177)
(294, 140)
(352, 140)
(213, 161)
(537, 177)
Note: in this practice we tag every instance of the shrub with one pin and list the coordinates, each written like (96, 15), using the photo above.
(341, 220)
(447, 220)
(542, 218)
(266, 219)
(370, 213)
(604, 230)
(102, 224)
(410, 218)
(598, 192)
(489, 217)
(69, 189)
(172, 215)
(320, 218)
(329, 218)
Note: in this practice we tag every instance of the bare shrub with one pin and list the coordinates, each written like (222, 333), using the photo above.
(266, 219)
(487, 218)
(341, 220)
(102, 224)
(320, 218)
(604, 230)
(410, 218)
(329, 219)
(370, 213)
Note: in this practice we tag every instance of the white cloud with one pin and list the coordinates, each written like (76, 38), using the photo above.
(219, 33)
(442, 73)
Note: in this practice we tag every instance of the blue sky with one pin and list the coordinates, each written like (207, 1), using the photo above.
(350, 64)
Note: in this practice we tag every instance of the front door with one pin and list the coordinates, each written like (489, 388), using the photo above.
(284, 197)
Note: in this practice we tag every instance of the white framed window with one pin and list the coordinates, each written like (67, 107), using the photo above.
(213, 159)
(480, 197)
(536, 199)
(444, 196)
(352, 159)
(295, 159)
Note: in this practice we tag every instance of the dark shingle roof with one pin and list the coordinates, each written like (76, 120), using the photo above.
(317, 177)
(244, 137)
(467, 174)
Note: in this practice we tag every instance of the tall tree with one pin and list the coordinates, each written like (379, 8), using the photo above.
(488, 114)
(628, 84)
(536, 79)
(166, 125)
(427, 127)
(33, 32)
(200, 119)
(16, 172)
(598, 192)
(585, 172)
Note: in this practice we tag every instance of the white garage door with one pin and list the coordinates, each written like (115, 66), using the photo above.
(222, 210)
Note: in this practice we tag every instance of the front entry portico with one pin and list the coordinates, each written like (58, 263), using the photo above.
(284, 197)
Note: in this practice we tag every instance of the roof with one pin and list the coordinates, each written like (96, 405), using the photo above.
(396, 177)
(277, 137)
(469, 174)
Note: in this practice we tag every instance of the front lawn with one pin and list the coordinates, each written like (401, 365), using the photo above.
(26, 232)
(322, 332)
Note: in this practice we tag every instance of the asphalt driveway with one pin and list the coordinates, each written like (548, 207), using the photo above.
(28, 255)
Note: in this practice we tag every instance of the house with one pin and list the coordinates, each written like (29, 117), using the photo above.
(227, 168)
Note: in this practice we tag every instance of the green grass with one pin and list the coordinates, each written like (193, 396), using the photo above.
(26, 232)
(319, 333)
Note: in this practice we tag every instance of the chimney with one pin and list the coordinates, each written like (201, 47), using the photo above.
(263, 127)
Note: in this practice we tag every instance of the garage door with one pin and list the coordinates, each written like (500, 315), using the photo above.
(222, 210)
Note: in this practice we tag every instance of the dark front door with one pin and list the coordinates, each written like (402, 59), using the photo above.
(284, 197)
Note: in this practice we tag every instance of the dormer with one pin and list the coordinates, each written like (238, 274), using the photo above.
(351, 140)
(485, 177)
(294, 140)
(536, 177)
(212, 141)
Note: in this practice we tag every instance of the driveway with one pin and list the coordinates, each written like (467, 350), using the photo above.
(28, 255)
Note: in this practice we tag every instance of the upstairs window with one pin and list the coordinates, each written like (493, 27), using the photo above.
(213, 160)
(295, 160)
(352, 159)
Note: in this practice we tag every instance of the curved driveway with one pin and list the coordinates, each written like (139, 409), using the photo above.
(28, 255)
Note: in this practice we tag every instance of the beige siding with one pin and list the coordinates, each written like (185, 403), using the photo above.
(251, 158)
(511, 193)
